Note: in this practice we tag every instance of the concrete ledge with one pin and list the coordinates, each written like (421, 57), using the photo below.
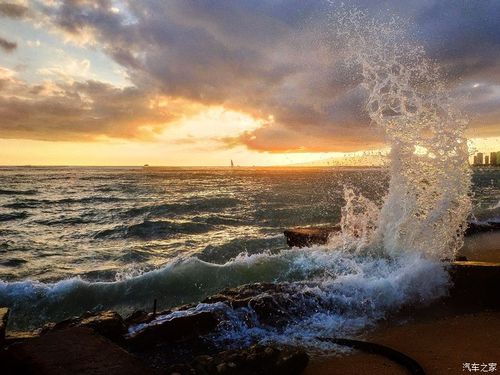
(308, 236)
(475, 283)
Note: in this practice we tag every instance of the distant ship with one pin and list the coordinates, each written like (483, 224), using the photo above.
(232, 164)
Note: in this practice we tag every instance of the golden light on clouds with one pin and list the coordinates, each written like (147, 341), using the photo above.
(183, 83)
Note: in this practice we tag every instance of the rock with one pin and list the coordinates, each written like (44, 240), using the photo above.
(4, 316)
(138, 317)
(256, 359)
(19, 336)
(308, 236)
(293, 362)
(274, 304)
(74, 350)
(475, 284)
(271, 309)
(475, 227)
(107, 323)
(181, 369)
(174, 329)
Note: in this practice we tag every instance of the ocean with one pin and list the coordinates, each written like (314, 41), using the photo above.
(75, 239)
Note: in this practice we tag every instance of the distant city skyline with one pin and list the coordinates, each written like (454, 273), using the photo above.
(484, 158)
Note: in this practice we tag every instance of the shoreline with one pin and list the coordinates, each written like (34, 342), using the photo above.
(471, 309)
(441, 345)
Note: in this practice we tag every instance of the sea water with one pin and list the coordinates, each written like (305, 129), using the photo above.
(78, 239)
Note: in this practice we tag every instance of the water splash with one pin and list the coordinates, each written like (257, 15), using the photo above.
(428, 201)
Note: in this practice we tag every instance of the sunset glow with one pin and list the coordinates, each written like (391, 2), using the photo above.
(113, 83)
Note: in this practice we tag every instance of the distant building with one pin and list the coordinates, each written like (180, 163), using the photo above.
(494, 160)
(479, 159)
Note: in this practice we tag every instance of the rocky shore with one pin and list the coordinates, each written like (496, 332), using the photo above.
(102, 344)
(150, 343)
(180, 340)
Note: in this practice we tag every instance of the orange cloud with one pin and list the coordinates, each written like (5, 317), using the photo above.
(84, 111)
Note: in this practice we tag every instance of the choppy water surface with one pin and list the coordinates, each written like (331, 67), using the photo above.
(106, 223)
(77, 239)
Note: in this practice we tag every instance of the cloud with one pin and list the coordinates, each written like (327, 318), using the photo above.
(264, 58)
(7, 46)
(13, 10)
(84, 111)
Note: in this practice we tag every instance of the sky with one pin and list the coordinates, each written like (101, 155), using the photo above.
(175, 82)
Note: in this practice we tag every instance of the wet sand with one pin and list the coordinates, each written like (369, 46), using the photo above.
(442, 337)
(482, 247)
(440, 346)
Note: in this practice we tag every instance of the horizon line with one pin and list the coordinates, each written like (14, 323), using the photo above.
(183, 166)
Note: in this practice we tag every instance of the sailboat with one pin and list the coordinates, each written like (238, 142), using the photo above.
(232, 164)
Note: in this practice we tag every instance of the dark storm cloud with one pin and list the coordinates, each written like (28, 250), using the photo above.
(271, 58)
(13, 10)
(464, 36)
(7, 46)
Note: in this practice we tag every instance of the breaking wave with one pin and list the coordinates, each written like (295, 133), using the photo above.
(360, 287)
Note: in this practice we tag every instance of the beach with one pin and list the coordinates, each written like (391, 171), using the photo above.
(441, 344)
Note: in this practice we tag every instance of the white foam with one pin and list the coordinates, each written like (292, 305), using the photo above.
(428, 201)
(353, 292)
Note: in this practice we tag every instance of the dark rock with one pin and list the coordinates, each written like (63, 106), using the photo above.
(4, 316)
(74, 350)
(262, 360)
(173, 329)
(308, 236)
(19, 336)
(475, 284)
(475, 227)
(271, 309)
(273, 304)
(107, 323)
(181, 369)
(292, 362)
(138, 317)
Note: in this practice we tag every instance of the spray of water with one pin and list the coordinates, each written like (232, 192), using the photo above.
(428, 201)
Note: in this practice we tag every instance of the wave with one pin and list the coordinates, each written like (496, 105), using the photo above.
(369, 286)
(193, 205)
(66, 221)
(17, 192)
(13, 216)
(151, 229)
(34, 203)
(228, 250)
(22, 205)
